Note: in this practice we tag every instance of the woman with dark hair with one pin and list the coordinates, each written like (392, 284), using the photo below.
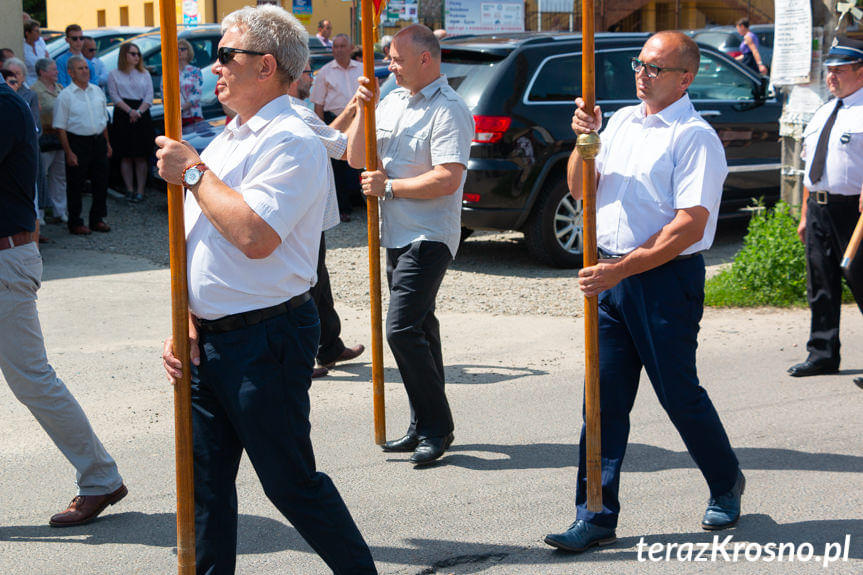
(130, 87)
(749, 55)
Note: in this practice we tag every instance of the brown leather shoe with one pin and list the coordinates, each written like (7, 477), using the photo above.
(319, 372)
(348, 354)
(85, 508)
(101, 227)
(80, 230)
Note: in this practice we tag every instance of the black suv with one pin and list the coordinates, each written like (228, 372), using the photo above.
(521, 88)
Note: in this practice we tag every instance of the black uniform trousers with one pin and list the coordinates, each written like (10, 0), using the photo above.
(93, 165)
(331, 345)
(414, 275)
(347, 179)
(250, 393)
(828, 230)
(651, 321)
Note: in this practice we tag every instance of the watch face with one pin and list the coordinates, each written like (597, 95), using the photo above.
(192, 176)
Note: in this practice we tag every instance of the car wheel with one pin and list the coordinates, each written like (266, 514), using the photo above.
(554, 231)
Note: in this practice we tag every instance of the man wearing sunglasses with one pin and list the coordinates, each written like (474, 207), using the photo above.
(660, 174)
(254, 212)
(75, 39)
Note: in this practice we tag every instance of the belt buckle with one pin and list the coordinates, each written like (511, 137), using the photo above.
(822, 197)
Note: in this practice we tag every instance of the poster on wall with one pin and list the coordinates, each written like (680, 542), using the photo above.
(302, 10)
(401, 10)
(190, 13)
(476, 16)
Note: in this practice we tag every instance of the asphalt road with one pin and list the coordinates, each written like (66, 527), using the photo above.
(515, 388)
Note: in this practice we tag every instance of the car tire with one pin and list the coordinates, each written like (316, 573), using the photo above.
(554, 232)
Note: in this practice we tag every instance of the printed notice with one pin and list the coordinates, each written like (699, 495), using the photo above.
(792, 43)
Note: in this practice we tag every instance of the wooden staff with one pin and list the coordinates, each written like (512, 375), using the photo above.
(588, 148)
(853, 245)
(179, 303)
(373, 231)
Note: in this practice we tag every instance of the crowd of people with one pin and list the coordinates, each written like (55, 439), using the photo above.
(256, 209)
(78, 137)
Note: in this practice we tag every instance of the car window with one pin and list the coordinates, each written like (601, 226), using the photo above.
(717, 80)
(145, 43)
(559, 78)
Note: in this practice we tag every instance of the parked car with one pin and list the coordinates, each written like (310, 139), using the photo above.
(521, 88)
(105, 38)
(726, 39)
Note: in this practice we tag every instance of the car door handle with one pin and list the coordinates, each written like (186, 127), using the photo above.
(709, 113)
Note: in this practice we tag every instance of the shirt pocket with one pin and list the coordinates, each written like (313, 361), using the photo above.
(851, 139)
(416, 142)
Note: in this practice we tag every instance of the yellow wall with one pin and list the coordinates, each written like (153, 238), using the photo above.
(86, 12)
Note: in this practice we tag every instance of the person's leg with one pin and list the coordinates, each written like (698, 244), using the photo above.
(416, 273)
(664, 321)
(845, 221)
(34, 383)
(127, 172)
(264, 373)
(140, 175)
(99, 168)
(823, 285)
(619, 371)
(331, 345)
(75, 178)
(55, 168)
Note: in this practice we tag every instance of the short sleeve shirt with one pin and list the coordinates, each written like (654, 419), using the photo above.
(335, 86)
(414, 134)
(843, 170)
(649, 167)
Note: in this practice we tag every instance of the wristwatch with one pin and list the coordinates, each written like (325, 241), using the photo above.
(193, 173)
(388, 190)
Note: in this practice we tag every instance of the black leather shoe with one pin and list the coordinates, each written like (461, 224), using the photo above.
(858, 381)
(808, 368)
(403, 444)
(581, 536)
(430, 449)
(724, 511)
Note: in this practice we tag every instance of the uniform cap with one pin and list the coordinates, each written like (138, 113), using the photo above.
(845, 51)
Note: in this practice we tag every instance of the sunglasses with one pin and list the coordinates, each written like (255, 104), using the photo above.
(133, 53)
(226, 54)
(12, 82)
(651, 70)
(76, 38)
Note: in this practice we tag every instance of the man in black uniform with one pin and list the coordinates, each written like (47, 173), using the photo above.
(833, 146)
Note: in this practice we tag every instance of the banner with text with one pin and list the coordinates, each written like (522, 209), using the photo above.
(478, 16)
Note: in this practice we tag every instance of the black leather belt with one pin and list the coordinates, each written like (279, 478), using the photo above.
(253, 317)
(604, 255)
(824, 197)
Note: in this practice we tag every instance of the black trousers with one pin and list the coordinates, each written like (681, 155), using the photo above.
(347, 178)
(92, 153)
(331, 345)
(414, 274)
(250, 393)
(828, 230)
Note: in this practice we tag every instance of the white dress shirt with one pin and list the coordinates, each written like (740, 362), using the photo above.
(414, 134)
(275, 161)
(335, 86)
(335, 143)
(651, 166)
(843, 170)
(81, 112)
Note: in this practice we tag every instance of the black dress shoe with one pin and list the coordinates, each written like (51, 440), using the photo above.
(403, 444)
(808, 368)
(430, 449)
(858, 381)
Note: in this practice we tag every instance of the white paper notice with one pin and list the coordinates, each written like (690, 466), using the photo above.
(792, 44)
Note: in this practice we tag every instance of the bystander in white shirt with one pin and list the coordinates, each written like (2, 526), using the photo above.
(81, 112)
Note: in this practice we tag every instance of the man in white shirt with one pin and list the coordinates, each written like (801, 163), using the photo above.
(331, 349)
(325, 29)
(661, 169)
(81, 120)
(254, 212)
(424, 131)
(335, 84)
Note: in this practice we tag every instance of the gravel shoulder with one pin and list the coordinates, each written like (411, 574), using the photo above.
(492, 273)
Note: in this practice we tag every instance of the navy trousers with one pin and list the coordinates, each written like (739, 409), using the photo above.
(414, 274)
(828, 231)
(651, 320)
(251, 392)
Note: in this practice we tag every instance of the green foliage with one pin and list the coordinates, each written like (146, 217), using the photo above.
(769, 270)
(36, 10)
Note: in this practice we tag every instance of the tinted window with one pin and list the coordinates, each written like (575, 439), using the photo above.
(716, 80)
(559, 79)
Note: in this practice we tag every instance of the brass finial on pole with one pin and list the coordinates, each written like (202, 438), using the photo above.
(179, 303)
(588, 148)
(368, 22)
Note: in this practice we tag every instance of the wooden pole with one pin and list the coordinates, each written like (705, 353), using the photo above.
(588, 147)
(179, 303)
(373, 232)
(853, 245)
